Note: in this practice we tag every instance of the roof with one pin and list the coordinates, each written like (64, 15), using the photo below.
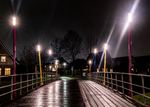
(125, 59)
(99, 56)
(7, 51)
(61, 60)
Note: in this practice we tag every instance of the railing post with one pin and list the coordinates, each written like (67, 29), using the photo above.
(122, 83)
(36, 79)
(95, 77)
(91, 76)
(45, 76)
(21, 84)
(32, 81)
(27, 82)
(111, 82)
(116, 81)
(12, 87)
(107, 80)
(101, 77)
(131, 86)
(143, 89)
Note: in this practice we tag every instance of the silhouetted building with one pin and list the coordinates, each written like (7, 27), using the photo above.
(6, 61)
(122, 64)
(79, 66)
(143, 63)
(63, 66)
(100, 61)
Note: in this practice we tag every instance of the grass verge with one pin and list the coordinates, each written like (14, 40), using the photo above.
(141, 99)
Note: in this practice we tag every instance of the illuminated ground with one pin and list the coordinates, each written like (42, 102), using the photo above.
(62, 93)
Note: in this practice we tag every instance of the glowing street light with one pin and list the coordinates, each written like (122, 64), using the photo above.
(130, 62)
(64, 64)
(14, 21)
(39, 49)
(129, 17)
(105, 47)
(56, 63)
(95, 51)
(14, 52)
(90, 62)
(50, 53)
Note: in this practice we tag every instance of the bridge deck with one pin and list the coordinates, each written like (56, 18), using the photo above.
(95, 95)
(61, 93)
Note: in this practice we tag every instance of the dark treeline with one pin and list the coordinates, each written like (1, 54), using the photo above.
(68, 47)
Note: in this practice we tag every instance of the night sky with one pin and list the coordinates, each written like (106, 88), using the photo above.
(43, 20)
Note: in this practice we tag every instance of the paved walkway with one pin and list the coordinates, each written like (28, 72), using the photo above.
(62, 93)
(95, 95)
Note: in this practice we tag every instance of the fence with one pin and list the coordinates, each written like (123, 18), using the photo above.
(120, 82)
(24, 83)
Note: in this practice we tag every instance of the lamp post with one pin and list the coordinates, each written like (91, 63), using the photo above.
(90, 62)
(105, 63)
(50, 53)
(39, 49)
(14, 52)
(56, 63)
(130, 62)
(95, 51)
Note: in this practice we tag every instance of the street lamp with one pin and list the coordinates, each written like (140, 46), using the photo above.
(95, 51)
(39, 49)
(50, 53)
(105, 47)
(64, 68)
(14, 52)
(90, 62)
(56, 63)
(130, 62)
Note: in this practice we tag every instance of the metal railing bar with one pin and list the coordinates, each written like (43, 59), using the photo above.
(124, 73)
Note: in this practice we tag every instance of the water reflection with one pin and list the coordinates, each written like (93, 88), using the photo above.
(62, 93)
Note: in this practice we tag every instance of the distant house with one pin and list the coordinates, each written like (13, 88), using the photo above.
(63, 66)
(79, 66)
(143, 63)
(6, 61)
(100, 61)
(140, 64)
(122, 64)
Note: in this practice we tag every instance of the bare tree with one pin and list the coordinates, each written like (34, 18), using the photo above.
(29, 55)
(26, 56)
(44, 56)
(57, 48)
(71, 43)
(90, 43)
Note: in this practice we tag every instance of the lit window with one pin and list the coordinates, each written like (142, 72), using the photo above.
(3, 58)
(7, 71)
(0, 71)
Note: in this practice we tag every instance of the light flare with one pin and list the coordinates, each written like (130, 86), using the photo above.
(106, 43)
(95, 50)
(105, 46)
(14, 21)
(39, 48)
(126, 25)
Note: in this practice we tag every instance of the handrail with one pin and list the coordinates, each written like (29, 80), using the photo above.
(25, 82)
(121, 84)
